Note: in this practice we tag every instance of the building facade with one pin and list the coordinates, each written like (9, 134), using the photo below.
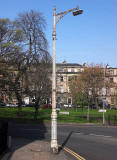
(111, 92)
(65, 72)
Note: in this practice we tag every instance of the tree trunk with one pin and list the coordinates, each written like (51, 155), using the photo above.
(36, 108)
(88, 114)
(36, 113)
(19, 99)
(19, 111)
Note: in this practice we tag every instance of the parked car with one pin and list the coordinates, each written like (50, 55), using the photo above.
(2, 104)
(68, 105)
(24, 105)
(113, 108)
(46, 106)
(93, 106)
(76, 106)
(11, 105)
(85, 106)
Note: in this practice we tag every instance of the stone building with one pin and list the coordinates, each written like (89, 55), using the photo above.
(111, 92)
(65, 72)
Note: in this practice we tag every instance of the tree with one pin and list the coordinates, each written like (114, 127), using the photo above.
(11, 59)
(32, 24)
(89, 83)
(78, 92)
(116, 97)
(10, 38)
(25, 51)
(39, 80)
(38, 59)
(12, 75)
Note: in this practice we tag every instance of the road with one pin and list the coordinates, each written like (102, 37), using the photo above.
(91, 142)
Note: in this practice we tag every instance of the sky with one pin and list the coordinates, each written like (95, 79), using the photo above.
(90, 37)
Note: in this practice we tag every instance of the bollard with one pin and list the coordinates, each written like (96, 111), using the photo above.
(9, 142)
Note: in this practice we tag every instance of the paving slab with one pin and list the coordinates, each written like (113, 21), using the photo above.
(23, 149)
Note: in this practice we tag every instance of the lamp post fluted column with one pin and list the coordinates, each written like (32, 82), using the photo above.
(104, 93)
(56, 18)
(54, 145)
(104, 97)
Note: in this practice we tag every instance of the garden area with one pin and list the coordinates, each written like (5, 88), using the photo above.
(69, 115)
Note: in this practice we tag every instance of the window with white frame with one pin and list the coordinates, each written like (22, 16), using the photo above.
(82, 69)
(69, 69)
(68, 89)
(75, 70)
(90, 91)
(104, 91)
(98, 91)
(61, 89)
(111, 72)
(112, 91)
(33, 87)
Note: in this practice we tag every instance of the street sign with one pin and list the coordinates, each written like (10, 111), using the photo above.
(102, 110)
(67, 113)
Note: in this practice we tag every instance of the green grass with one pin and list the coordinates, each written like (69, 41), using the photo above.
(27, 114)
(80, 116)
(44, 115)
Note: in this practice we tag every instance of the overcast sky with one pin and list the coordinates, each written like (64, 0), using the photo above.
(90, 37)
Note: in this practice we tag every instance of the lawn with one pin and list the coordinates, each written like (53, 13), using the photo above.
(27, 114)
(44, 115)
(80, 115)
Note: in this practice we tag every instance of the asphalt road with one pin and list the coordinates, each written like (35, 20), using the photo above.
(91, 142)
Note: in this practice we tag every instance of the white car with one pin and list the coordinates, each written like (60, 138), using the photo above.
(11, 105)
(68, 105)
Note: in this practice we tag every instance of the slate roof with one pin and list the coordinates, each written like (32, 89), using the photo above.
(68, 64)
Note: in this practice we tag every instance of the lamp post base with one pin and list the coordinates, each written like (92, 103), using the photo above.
(54, 146)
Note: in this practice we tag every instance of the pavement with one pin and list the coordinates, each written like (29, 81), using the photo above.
(25, 149)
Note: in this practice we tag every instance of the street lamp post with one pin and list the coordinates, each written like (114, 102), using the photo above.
(104, 92)
(56, 18)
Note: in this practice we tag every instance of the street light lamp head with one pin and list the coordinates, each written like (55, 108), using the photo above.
(77, 12)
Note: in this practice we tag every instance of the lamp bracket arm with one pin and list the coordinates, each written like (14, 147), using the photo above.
(62, 14)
